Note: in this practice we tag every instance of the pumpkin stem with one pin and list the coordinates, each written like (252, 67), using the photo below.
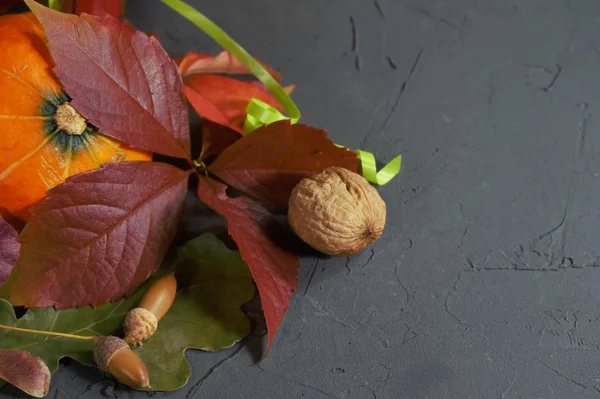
(69, 120)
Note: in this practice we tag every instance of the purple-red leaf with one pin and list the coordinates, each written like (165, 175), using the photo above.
(9, 250)
(215, 139)
(101, 7)
(98, 236)
(25, 371)
(254, 230)
(269, 162)
(121, 79)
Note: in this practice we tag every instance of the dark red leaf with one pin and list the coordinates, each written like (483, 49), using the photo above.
(9, 250)
(101, 7)
(224, 100)
(224, 62)
(67, 6)
(215, 139)
(120, 79)
(98, 236)
(270, 161)
(253, 228)
(25, 371)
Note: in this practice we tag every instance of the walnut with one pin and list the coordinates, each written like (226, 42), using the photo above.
(336, 212)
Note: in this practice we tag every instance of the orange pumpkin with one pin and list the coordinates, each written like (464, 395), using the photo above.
(43, 139)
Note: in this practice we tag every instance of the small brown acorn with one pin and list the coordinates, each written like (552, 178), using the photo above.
(141, 322)
(114, 356)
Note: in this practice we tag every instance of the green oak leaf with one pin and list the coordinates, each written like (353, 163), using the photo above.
(214, 282)
(104, 320)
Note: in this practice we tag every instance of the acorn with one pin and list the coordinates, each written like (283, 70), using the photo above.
(114, 356)
(141, 322)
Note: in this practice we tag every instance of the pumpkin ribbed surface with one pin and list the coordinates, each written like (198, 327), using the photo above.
(43, 140)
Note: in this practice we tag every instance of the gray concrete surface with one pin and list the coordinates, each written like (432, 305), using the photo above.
(486, 282)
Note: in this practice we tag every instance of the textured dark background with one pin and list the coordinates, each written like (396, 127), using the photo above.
(485, 284)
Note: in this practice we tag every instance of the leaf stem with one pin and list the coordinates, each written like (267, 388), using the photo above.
(50, 333)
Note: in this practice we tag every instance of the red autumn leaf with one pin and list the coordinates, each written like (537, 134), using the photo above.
(67, 6)
(253, 228)
(215, 139)
(101, 7)
(224, 100)
(98, 236)
(25, 371)
(270, 161)
(120, 79)
(224, 62)
(9, 250)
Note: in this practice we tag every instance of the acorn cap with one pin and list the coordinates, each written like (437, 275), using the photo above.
(105, 348)
(139, 325)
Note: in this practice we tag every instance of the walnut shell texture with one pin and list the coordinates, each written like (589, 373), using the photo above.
(337, 212)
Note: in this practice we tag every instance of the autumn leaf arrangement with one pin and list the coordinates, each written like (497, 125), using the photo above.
(84, 264)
